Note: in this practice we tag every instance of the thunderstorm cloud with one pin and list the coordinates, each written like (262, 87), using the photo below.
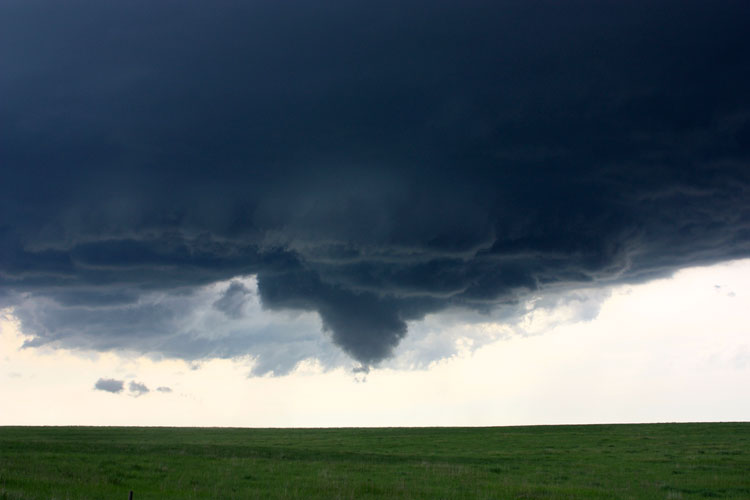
(196, 182)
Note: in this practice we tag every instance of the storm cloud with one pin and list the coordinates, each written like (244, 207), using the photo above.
(371, 164)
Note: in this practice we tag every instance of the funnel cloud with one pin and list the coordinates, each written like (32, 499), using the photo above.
(363, 165)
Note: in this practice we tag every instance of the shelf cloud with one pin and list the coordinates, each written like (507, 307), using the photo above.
(192, 182)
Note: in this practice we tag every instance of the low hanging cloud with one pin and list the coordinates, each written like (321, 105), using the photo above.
(234, 181)
(184, 324)
(137, 388)
(109, 385)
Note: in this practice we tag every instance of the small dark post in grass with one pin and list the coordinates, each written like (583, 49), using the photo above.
(130, 497)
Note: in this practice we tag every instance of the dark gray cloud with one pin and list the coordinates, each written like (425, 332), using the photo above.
(137, 389)
(164, 389)
(371, 163)
(109, 385)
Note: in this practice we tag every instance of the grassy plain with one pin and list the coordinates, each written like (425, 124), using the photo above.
(593, 461)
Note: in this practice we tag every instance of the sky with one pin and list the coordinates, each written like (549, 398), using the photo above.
(672, 350)
(259, 214)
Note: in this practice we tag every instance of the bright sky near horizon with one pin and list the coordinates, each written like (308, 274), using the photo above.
(675, 349)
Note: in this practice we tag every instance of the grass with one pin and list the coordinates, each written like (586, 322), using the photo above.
(576, 462)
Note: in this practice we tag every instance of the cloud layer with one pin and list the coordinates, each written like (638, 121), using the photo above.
(371, 164)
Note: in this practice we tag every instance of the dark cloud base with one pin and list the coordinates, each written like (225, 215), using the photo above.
(371, 163)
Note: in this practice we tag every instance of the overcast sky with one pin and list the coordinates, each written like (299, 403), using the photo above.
(362, 191)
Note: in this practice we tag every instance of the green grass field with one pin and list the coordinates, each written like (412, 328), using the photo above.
(594, 461)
